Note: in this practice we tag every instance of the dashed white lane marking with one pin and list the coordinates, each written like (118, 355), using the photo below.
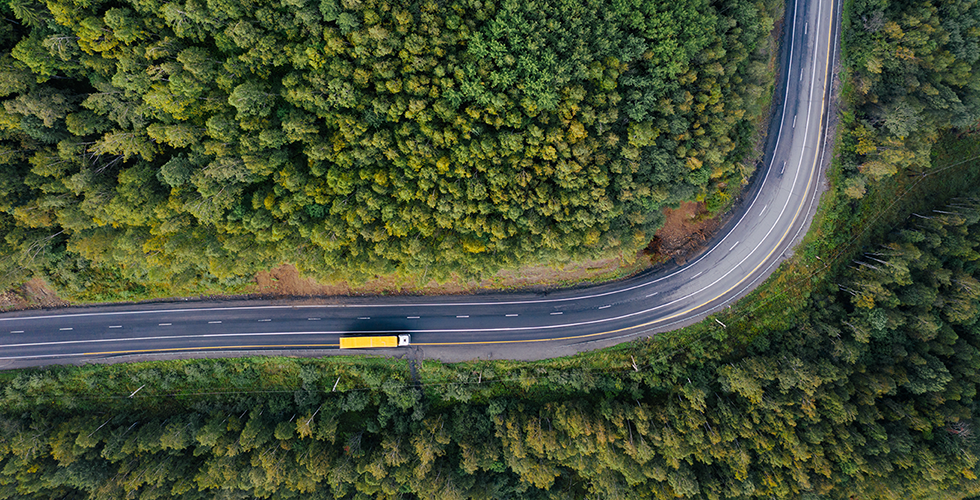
(213, 322)
(312, 319)
(115, 326)
(511, 315)
(801, 75)
(605, 307)
(64, 329)
(413, 317)
(264, 320)
(806, 27)
(364, 317)
(763, 212)
(696, 275)
(651, 295)
(166, 324)
(556, 313)
(733, 247)
(16, 331)
(794, 121)
(462, 316)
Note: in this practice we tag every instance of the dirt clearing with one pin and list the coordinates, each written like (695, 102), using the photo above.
(684, 234)
(31, 295)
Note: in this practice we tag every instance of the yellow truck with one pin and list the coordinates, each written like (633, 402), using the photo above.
(367, 342)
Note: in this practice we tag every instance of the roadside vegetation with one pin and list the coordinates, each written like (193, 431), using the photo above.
(164, 148)
(867, 390)
(876, 399)
(852, 373)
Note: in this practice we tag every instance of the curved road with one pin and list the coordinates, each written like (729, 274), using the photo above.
(783, 198)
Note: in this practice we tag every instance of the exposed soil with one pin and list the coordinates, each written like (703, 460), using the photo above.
(684, 234)
(33, 294)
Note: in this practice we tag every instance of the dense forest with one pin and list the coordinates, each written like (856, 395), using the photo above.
(181, 142)
(912, 72)
(872, 394)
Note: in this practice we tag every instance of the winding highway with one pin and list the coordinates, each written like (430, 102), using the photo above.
(777, 210)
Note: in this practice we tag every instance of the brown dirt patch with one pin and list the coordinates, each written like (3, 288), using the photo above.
(285, 280)
(31, 295)
(684, 234)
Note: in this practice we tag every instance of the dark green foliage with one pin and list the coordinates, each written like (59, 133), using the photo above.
(871, 395)
(186, 142)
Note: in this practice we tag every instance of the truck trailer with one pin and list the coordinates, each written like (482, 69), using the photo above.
(381, 341)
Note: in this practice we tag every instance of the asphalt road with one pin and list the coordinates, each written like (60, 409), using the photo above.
(779, 207)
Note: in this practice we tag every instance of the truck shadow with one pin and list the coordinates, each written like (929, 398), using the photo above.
(380, 326)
